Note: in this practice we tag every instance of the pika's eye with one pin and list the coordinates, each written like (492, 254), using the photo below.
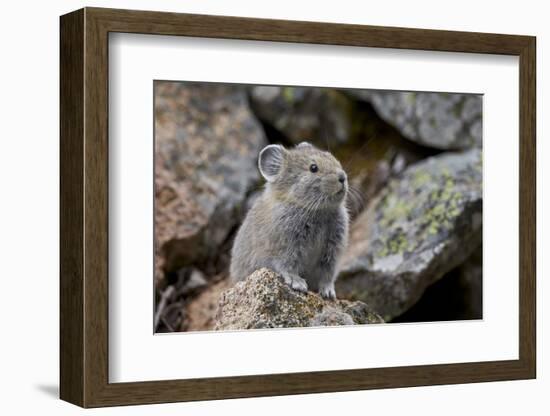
(313, 168)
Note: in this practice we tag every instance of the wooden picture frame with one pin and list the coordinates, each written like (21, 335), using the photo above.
(84, 207)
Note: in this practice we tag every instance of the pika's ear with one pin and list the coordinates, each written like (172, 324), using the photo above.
(271, 160)
(303, 144)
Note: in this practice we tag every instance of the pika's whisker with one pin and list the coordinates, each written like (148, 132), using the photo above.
(357, 200)
(326, 140)
(348, 162)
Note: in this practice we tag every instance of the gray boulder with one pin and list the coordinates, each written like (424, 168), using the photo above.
(422, 225)
(263, 300)
(206, 141)
(440, 120)
(319, 115)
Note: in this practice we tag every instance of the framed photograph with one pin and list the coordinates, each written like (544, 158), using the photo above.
(256, 207)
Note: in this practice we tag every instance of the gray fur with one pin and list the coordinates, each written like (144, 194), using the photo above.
(298, 227)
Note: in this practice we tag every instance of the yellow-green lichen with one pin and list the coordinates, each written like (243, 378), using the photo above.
(444, 210)
(288, 94)
(395, 209)
(420, 178)
(439, 208)
(411, 97)
(398, 243)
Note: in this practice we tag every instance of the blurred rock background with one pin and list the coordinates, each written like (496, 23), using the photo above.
(414, 161)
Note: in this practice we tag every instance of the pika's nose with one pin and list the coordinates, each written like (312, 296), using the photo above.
(341, 177)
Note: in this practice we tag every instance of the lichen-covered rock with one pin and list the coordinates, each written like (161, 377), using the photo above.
(263, 300)
(441, 120)
(319, 115)
(206, 142)
(423, 224)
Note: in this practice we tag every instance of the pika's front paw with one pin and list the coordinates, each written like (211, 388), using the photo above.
(327, 292)
(295, 282)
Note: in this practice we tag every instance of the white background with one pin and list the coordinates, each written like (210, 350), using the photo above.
(29, 217)
(135, 355)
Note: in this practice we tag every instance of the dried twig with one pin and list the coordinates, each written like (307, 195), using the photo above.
(164, 298)
(165, 322)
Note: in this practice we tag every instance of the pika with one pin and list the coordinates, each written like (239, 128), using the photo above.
(298, 226)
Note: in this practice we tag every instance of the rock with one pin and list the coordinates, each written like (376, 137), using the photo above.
(262, 300)
(201, 310)
(207, 142)
(319, 115)
(331, 317)
(423, 224)
(439, 120)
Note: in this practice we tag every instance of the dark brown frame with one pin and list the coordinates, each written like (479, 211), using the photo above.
(84, 212)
